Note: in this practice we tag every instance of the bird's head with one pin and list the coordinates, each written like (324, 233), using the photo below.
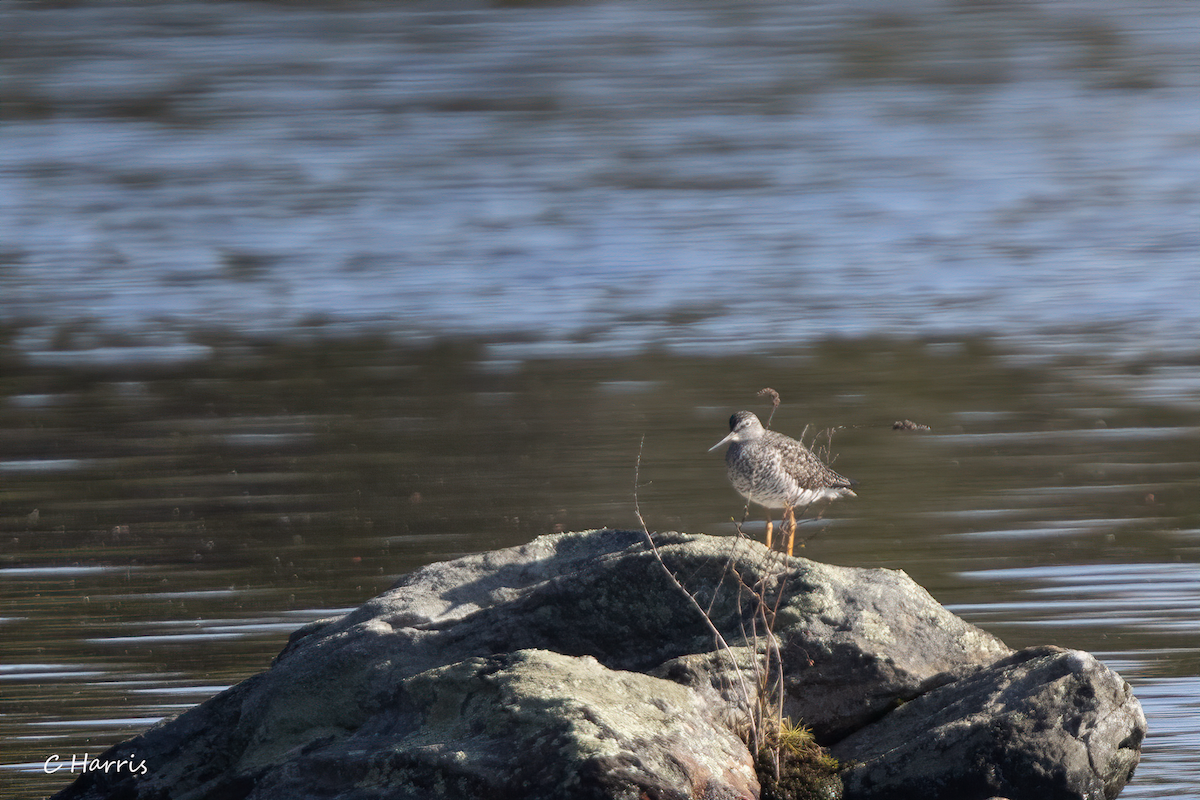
(743, 427)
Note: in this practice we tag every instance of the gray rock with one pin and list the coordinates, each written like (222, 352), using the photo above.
(1045, 722)
(856, 641)
(506, 674)
(530, 724)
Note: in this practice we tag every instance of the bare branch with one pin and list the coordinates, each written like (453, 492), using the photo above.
(723, 645)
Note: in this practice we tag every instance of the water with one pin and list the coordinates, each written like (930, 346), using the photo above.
(187, 520)
(604, 175)
(295, 299)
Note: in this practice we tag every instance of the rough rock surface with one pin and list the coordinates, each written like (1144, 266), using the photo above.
(529, 724)
(573, 662)
(1047, 723)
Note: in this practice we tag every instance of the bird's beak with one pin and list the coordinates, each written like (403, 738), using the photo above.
(723, 441)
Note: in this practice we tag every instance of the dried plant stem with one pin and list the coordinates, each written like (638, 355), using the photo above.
(774, 395)
(723, 646)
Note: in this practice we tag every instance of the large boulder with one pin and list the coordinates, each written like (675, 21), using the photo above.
(1045, 722)
(530, 724)
(574, 667)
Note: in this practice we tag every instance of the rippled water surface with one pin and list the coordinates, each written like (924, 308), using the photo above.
(162, 534)
(608, 173)
(295, 298)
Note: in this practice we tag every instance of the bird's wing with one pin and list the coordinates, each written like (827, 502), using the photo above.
(810, 471)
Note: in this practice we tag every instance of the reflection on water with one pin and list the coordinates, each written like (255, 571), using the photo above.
(199, 513)
(1172, 708)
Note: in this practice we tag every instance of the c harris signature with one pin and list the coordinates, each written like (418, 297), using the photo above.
(131, 765)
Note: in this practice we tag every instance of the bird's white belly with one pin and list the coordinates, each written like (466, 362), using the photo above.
(802, 498)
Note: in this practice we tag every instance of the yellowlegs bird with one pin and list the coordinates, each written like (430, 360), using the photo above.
(776, 471)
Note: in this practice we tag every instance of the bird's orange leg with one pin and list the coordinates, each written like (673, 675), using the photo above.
(789, 525)
(769, 530)
(804, 511)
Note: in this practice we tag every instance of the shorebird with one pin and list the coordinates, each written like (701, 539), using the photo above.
(776, 471)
